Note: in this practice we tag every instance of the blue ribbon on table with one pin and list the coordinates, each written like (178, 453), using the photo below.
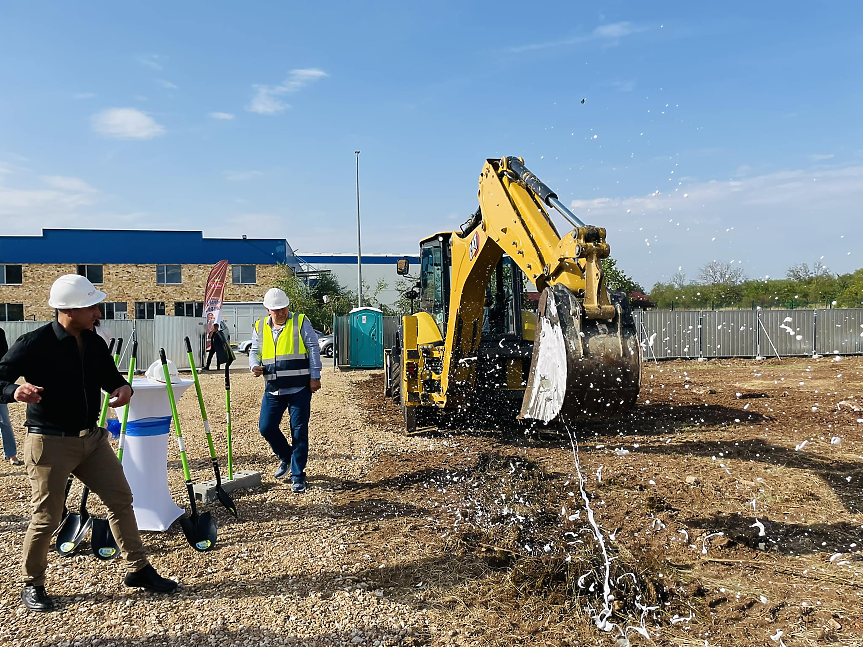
(141, 427)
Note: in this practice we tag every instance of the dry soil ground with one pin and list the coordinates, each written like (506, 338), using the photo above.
(725, 510)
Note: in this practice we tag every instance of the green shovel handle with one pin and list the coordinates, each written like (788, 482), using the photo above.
(121, 444)
(200, 398)
(103, 415)
(186, 474)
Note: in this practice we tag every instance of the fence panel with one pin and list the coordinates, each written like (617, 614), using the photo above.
(342, 340)
(729, 333)
(14, 329)
(668, 334)
(391, 329)
(791, 331)
(170, 333)
(839, 332)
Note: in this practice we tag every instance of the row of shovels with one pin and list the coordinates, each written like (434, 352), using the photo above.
(200, 530)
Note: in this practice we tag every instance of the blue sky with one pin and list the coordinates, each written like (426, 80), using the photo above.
(727, 132)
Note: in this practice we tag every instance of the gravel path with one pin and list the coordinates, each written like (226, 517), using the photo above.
(293, 570)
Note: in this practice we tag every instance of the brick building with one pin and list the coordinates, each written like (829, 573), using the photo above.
(144, 273)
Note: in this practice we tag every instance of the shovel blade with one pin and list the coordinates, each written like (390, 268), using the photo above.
(73, 531)
(201, 533)
(102, 540)
(226, 500)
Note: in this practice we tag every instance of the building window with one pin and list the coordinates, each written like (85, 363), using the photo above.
(11, 311)
(92, 272)
(168, 275)
(189, 309)
(10, 275)
(114, 310)
(241, 274)
(149, 309)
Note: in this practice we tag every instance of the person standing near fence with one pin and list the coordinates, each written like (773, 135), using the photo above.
(10, 450)
(286, 353)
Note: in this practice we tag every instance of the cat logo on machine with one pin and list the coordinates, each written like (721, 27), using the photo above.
(474, 245)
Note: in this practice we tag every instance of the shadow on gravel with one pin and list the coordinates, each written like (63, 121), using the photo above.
(249, 637)
(785, 538)
(841, 476)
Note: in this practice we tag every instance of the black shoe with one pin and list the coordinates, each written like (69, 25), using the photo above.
(35, 598)
(149, 579)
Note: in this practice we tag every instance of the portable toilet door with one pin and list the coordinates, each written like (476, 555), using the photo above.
(367, 338)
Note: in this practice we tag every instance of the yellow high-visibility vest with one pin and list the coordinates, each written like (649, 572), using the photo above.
(286, 362)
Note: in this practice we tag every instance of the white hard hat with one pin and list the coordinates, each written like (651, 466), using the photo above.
(156, 373)
(74, 291)
(276, 299)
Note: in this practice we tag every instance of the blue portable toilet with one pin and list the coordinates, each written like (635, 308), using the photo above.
(367, 338)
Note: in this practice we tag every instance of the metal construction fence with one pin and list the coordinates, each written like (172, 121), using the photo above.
(693, 334)
(667, 334)
(162, 332)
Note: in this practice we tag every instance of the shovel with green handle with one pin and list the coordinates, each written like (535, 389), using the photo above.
(102, 540)
(76, 525)
(200, 530)
(224, 497)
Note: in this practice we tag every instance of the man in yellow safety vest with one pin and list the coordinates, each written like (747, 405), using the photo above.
(285, 352)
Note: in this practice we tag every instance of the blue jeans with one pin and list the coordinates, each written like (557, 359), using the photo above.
(9, 448)
(296, 452)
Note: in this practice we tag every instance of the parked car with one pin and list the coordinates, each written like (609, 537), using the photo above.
(325, 342)
(244, 346)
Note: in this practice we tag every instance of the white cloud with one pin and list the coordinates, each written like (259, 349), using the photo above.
(65, 183)
(24, 209)
(821, 158)
(623, 86)
(126, 123)
(166, 84)
(266, 101)
(616, 30)
(83, 95)
(150, 60)
(240, 176)
(758, 218)
(608, 34)
(221, 115)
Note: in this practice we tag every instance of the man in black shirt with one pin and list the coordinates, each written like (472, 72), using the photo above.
(66, 366)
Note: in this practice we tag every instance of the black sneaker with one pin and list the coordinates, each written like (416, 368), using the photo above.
(35, 598)
(149, 579)
(284, 469)
(298, 487)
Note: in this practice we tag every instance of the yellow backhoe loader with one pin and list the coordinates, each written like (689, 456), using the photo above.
(475, 341)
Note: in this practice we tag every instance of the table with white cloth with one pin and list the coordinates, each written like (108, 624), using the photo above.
(145, 456)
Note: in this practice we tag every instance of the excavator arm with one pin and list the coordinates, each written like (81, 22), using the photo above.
(586, 358)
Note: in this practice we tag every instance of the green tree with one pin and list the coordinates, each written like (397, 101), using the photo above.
(617, 279)
(311, 302)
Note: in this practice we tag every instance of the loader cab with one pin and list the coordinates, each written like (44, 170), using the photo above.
(435, 270)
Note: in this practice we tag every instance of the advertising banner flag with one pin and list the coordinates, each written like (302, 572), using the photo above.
(213, 294)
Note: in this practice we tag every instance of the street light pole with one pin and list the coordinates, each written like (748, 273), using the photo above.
(359, 245)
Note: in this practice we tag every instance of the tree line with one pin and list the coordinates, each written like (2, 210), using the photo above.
(724, 285)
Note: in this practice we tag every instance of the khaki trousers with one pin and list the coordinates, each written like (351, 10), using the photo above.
(49, 461)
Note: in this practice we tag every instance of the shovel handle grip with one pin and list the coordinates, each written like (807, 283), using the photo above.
(188, 345)
(111, 346)
(162, 356)
(119, 346)
(135, 349)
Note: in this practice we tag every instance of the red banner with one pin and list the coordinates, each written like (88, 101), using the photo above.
(213, 296)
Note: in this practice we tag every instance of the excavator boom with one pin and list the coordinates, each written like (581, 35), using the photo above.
(586, 360)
